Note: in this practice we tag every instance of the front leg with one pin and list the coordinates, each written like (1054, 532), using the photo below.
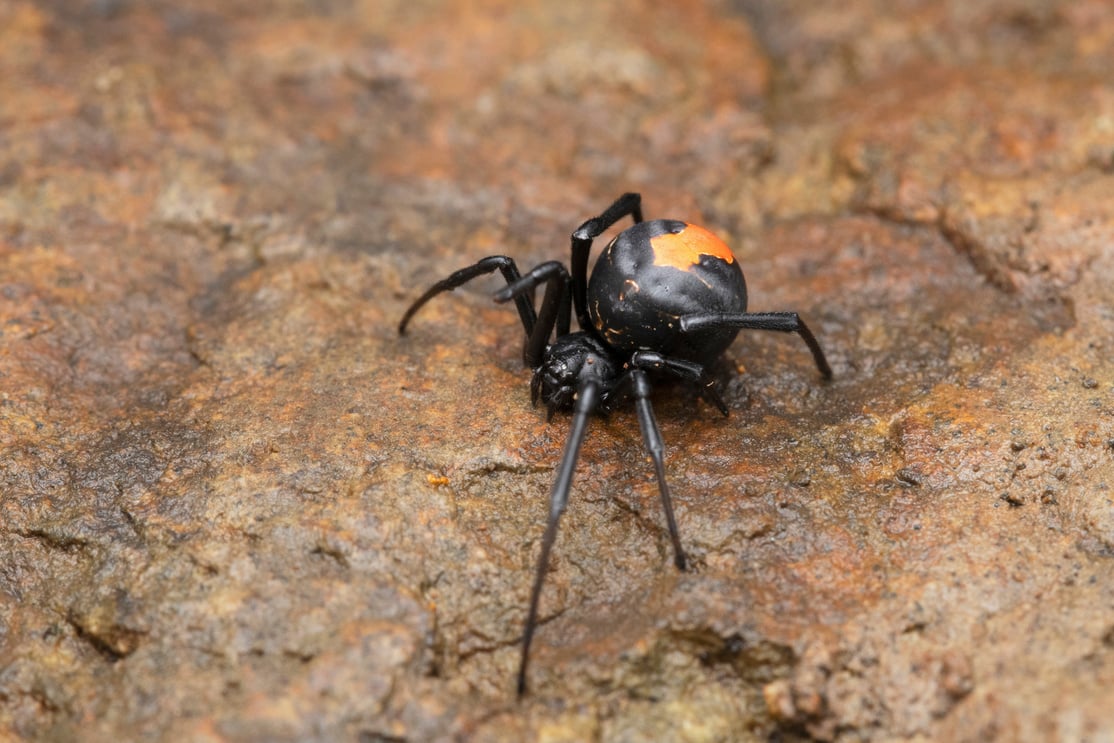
(636, 384)
(504, 264)
(586, 400)
(554, 311)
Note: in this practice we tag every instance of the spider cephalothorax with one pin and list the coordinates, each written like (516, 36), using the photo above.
(568, 363)
(665, 297)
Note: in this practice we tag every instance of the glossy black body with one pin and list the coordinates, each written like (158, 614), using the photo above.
(636, 303)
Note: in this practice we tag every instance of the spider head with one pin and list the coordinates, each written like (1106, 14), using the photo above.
(569, 361)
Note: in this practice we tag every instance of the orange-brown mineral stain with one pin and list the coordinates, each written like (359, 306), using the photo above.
(683, 249)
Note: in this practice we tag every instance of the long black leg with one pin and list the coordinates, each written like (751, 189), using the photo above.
(783, 322)
(586, 401)
(555, 303)
(636, 384)
(564, 313)
(628, 203)
(688, 371)
(493, 263)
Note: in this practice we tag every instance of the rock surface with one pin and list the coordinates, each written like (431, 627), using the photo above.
(237, 506)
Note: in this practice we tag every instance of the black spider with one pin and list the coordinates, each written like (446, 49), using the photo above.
(665, 297)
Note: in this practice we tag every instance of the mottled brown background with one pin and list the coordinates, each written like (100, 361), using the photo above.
(237, 507)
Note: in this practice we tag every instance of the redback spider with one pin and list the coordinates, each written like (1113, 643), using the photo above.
(665, 297)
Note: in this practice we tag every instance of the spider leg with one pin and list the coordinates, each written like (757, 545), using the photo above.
(636, 384)
(784, 322)
(586, 401)
(502, 263)
(688, 371)
(627, 204)
(554, 310)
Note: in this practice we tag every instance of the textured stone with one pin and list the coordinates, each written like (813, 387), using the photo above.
(237, 506)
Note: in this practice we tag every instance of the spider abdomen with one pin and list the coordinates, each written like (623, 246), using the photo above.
(653, 273)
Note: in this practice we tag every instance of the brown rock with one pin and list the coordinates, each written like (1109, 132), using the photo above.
(236, 506)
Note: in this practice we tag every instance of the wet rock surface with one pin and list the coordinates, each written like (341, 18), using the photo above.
(237, 506)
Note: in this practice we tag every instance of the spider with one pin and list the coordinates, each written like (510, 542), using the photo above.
(666, 298)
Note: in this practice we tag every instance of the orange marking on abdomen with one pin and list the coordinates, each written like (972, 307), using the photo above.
(684, 249)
